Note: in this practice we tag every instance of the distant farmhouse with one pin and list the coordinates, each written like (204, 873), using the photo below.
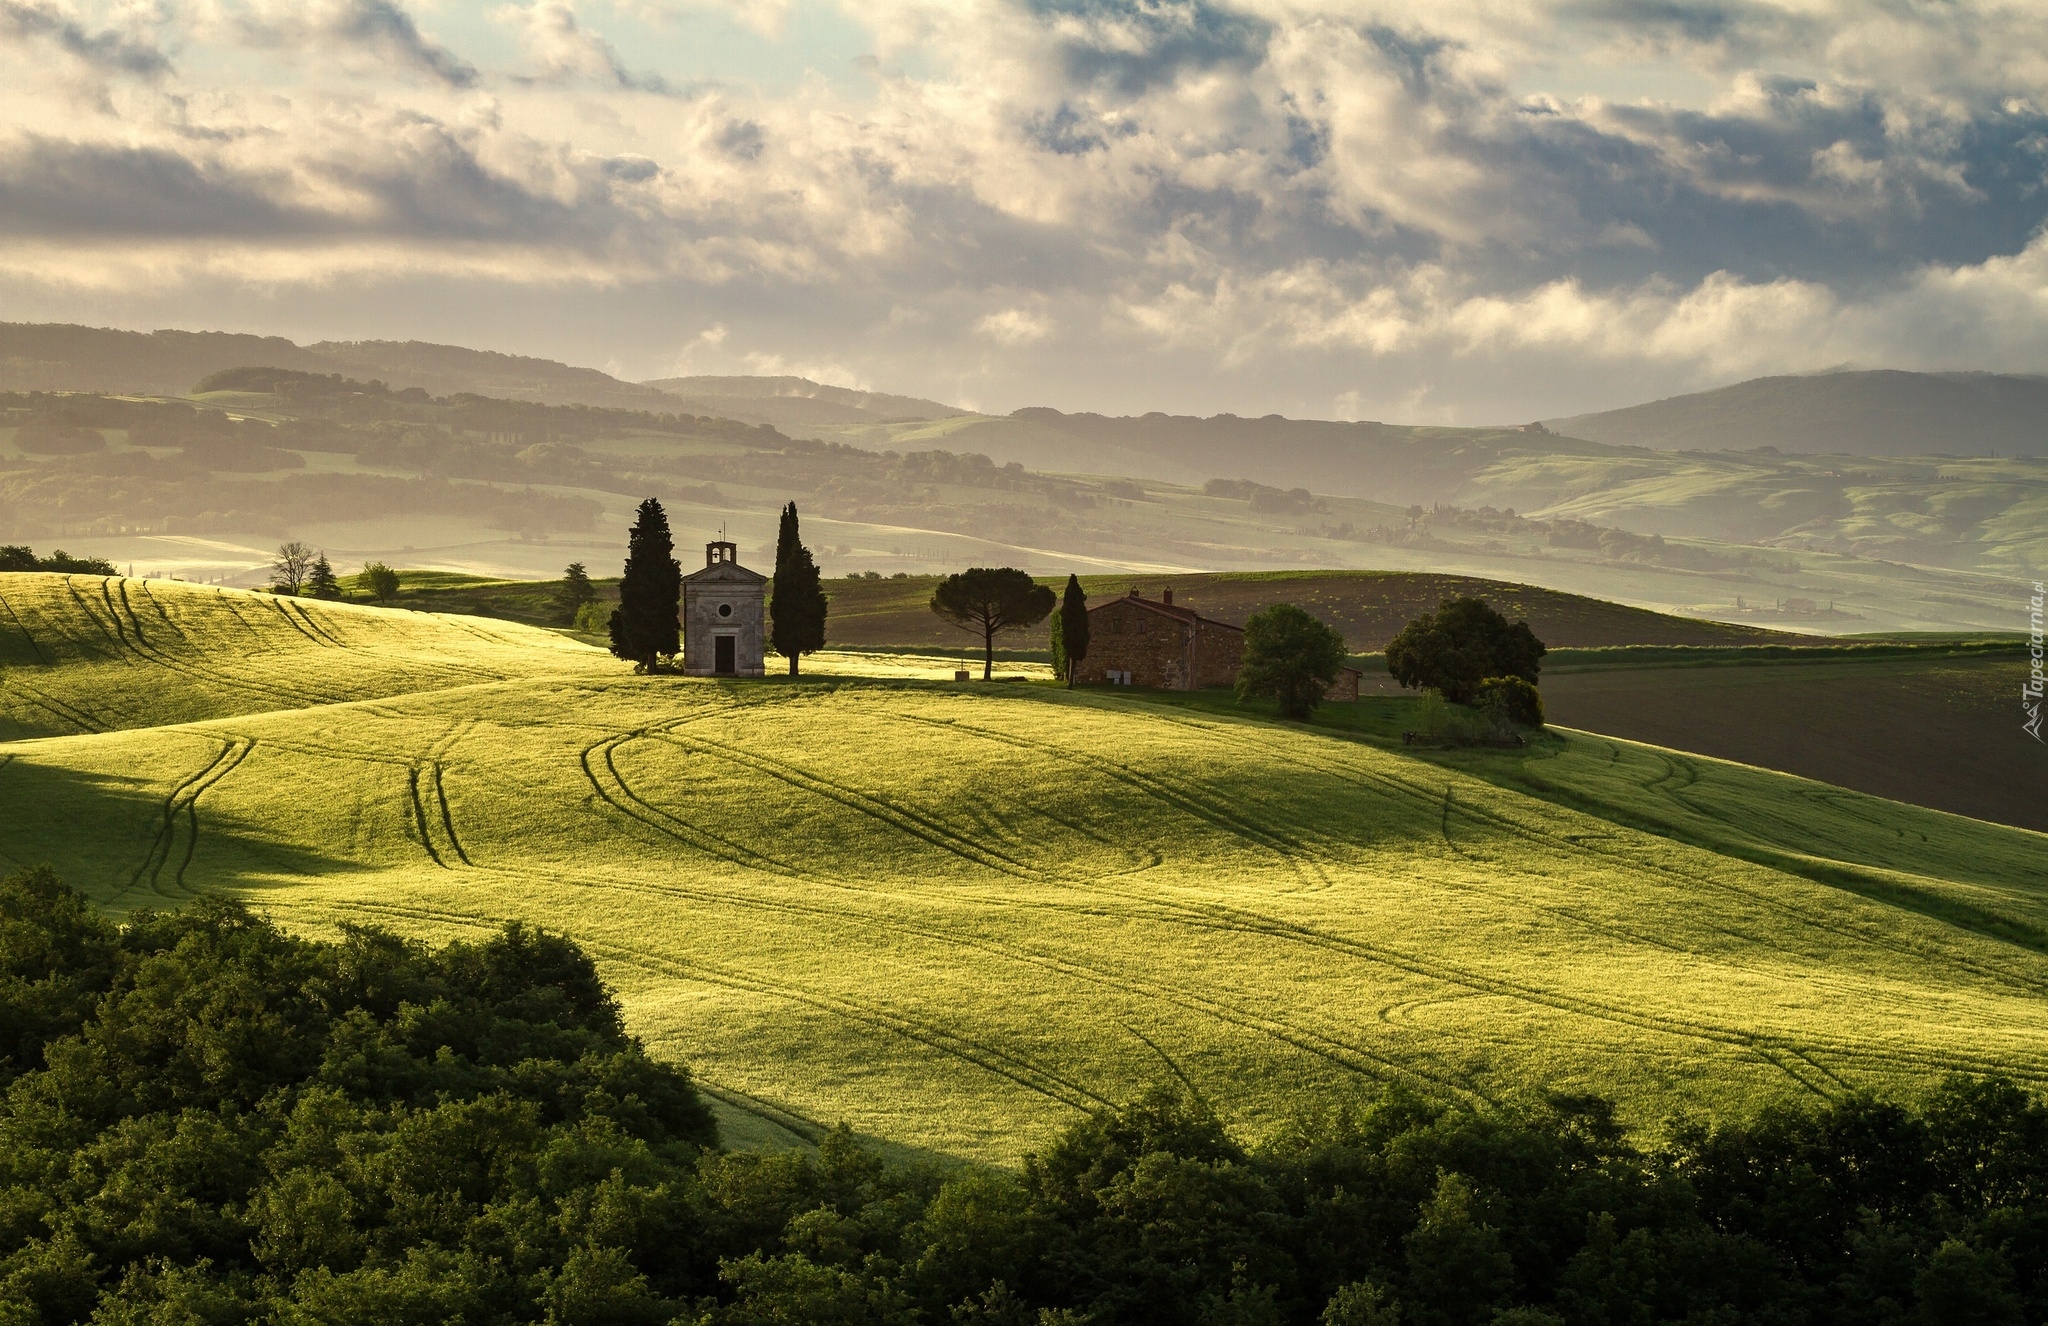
(723, 609)
(1136, 641)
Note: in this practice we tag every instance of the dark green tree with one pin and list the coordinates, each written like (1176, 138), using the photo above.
(1071, 631)
(320, 580)
(1459, 1271)
(1291, 657)
(989, 599)
(796, 614)
(380, 580)
(1460, 645)
(576, 591)
(645, 627)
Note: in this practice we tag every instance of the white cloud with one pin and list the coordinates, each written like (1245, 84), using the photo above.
(564, 49)
(1014, 327)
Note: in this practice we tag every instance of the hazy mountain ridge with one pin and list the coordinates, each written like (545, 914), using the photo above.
(834, 404)
(1882, 412)
(65, 357)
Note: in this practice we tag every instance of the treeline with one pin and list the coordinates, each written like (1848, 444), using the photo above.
(208, 1121)
(1612, 544)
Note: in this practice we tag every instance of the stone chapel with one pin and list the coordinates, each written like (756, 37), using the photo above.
(724, 610)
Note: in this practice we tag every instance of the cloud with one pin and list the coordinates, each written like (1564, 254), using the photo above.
(566, 50)
(381, 29)
(1253, 204)
(1014, 327)
(106, 51)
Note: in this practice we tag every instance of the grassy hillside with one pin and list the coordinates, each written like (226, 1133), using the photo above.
(956, 916)
(92, 653)
(1878, 413)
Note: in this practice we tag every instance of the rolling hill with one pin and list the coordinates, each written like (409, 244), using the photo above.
(958, 916)
(1876, 413)
(61, 357)
(93, 654)
(1367, 607)
(795, 403)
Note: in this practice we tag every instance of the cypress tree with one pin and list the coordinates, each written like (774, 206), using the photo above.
(645, 626)
(796, 614)
(1073, 628)
(320, 581)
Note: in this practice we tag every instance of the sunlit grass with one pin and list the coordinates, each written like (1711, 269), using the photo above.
(957, 915)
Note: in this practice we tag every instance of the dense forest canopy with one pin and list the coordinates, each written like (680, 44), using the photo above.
(207, 1120)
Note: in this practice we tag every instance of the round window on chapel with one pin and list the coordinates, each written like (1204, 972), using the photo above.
(725, 609)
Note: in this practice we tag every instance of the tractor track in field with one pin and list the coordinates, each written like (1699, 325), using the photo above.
(22, 627)
(1199, 804)
(1753, 1042)
(423, 819)
(1345, 1054)
(60, 709)
(918, 826)
(143, 651)
(652, 817)
(182, 801)
(448, 817)
(419, 816)
(1423, 796)
(319, 632)
(86, 609)
(1168, 1060)
(1996, 976)
(1582, 1006)
(991, 1059)
(114, 613)
(284, 613)
(156, 604)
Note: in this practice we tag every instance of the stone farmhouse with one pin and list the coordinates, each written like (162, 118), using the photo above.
(1138, 641)
(723, 609)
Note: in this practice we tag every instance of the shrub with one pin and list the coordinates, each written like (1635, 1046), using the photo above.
(380, 580)
(594, 618)
(1519, 701)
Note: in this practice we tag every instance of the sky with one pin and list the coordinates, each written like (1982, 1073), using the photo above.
(1469, 211)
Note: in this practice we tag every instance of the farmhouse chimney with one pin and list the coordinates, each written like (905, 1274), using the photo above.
(1166, 597)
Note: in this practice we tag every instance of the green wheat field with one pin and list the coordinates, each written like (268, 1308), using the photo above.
(956, 916)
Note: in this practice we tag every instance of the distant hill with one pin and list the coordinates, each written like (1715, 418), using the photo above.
(446, 369)
(1879, 413)
(1386, 462)
(61, 357)
(795, 401)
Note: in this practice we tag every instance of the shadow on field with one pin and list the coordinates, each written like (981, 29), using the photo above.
(128, 842)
